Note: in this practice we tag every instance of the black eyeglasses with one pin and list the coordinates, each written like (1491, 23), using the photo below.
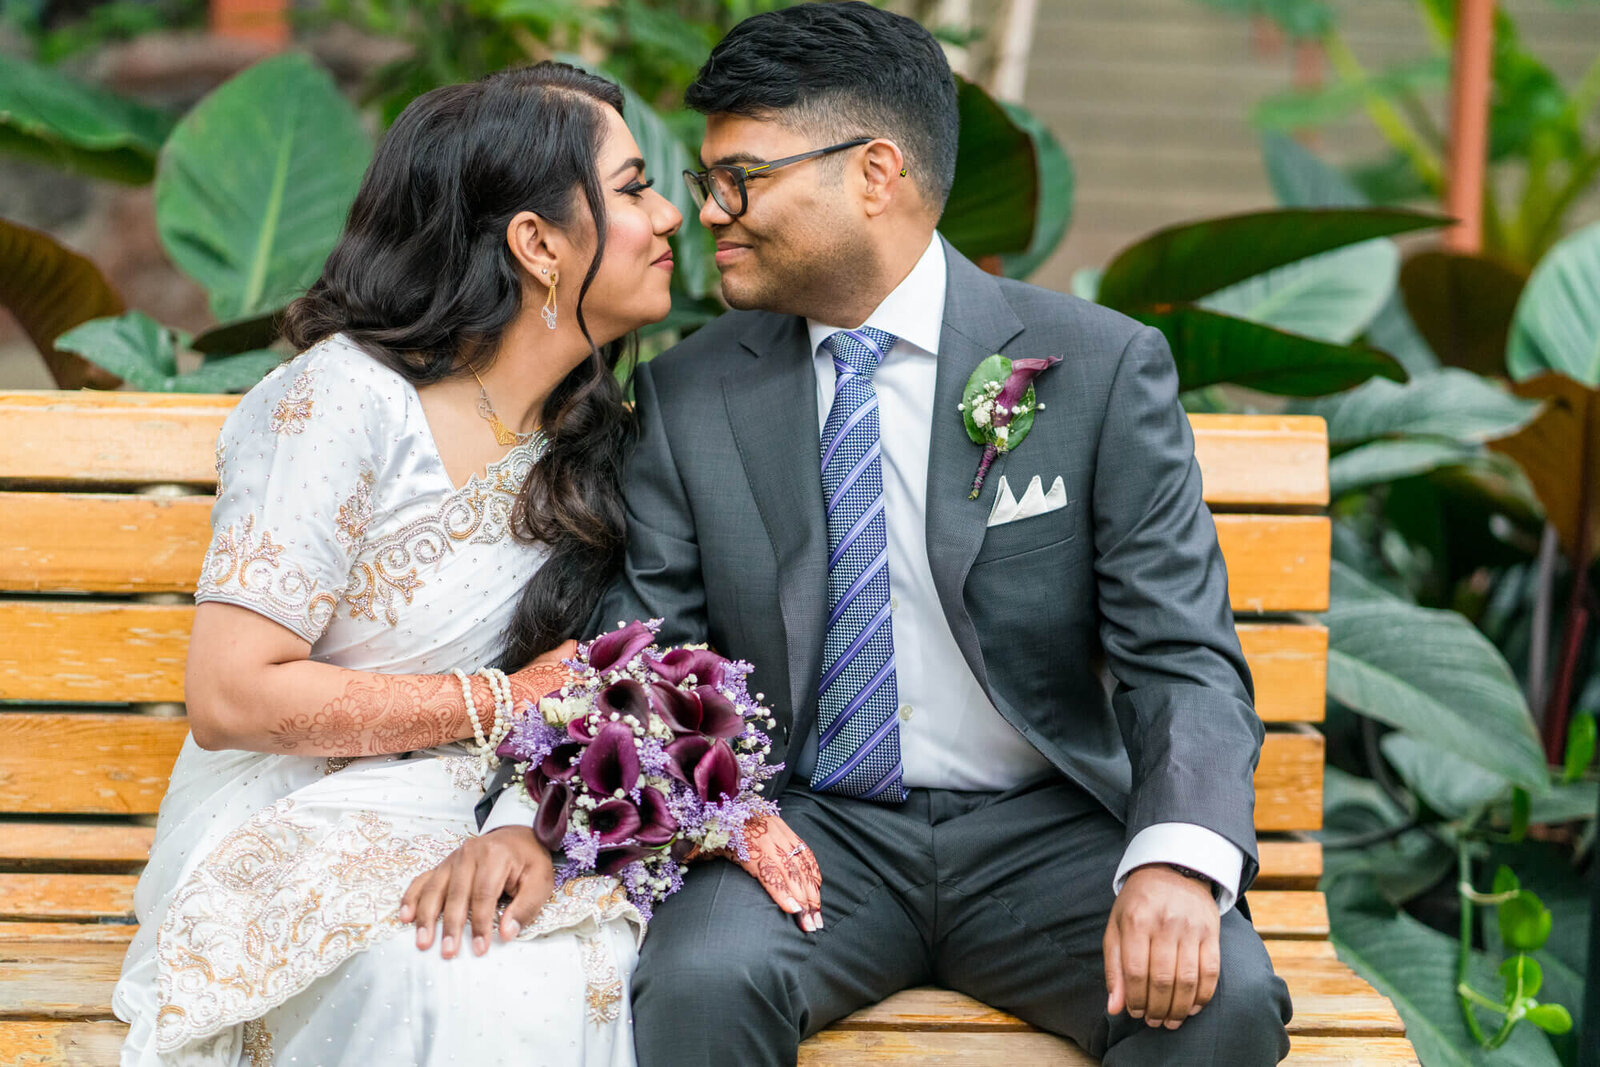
(725, 183)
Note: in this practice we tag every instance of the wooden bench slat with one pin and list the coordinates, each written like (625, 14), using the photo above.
(1262, 460)
(1289, 781)
(94, 543)
(45, 932)
(90, 437)
(61, 980)
(1276, 563)
(85, 651)
(116, 653)
(62, 1044)
(111, 437)
(1289, 864)
(86, 762)
(67, 843)
(66, 897)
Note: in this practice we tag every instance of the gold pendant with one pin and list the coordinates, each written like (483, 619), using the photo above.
(502, 433)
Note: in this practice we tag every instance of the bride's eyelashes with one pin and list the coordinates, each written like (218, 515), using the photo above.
(636, 189)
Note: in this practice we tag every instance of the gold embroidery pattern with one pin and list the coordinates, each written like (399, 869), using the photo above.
(602, 996)
(258, 1043)
(356, 512)
(466, 772)
(337, 764)
(480, 512)
(294, 407)
(280, 902)
(221, 460)
(285, 593)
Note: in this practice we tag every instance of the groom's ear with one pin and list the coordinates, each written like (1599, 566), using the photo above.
(536, 244)
(883, 173)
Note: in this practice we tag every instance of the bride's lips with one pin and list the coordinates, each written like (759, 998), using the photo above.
(664, 261)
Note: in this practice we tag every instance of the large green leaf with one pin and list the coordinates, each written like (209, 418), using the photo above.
(1432, 674)
(1332, 296)
(1452, 786)
(1382, 461)
(1191, 260)
(1557, 322)
(255, 182)
(1212, 348)
(227, 374)
(1056, 189)
(994, 203)
(1402, 865)
(48, 116)
(49, 289)
(1415, 967)
(1453, 404)
(133, 346)
(1463, 305)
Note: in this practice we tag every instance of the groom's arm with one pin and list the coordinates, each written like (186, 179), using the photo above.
(1183, 696)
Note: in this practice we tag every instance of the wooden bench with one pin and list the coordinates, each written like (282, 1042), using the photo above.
(104, 502)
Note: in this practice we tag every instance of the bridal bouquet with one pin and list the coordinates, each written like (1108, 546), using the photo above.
(644, 757)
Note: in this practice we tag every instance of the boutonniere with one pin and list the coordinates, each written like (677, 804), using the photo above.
(998, 405)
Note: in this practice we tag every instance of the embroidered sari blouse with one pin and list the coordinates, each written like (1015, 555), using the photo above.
(336, 519)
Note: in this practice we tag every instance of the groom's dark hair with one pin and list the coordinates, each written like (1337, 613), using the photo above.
(845, 70)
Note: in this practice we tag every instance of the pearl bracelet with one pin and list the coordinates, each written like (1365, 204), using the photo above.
(472, 708)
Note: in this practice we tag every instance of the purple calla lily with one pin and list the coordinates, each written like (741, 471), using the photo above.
(686, 753)
(627, 698)
(675, 666)
(716, 776)
(615, 821)
(613, 859)
(719, 717)
(619, 646)
(553, 814)
(657, 826)
(611, 762)
(679, 710)
(558, 766)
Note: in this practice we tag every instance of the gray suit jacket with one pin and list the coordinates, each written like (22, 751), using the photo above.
(1101, 631)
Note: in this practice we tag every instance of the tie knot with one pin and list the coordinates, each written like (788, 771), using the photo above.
(859, 351)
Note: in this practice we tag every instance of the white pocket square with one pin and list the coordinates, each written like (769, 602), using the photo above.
(1035, 501)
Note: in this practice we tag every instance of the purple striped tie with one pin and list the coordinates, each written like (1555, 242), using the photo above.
(858, 751)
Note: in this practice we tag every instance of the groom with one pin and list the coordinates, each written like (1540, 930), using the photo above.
(1019, 729)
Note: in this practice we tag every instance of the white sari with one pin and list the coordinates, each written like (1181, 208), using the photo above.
(268, 929)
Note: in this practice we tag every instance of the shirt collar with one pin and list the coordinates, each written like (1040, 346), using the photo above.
(914, 312)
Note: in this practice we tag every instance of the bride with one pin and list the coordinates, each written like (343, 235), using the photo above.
(429, 489)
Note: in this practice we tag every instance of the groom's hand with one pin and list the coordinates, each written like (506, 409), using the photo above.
(468, 885)
(1161, 947)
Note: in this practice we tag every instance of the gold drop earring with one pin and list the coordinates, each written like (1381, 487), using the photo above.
(549, 309)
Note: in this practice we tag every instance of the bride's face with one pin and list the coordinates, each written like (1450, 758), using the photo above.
(631, 288)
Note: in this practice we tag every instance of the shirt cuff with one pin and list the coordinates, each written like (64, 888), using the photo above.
(1186, 845)
(511, 808)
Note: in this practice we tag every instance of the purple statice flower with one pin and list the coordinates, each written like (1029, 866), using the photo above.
(531, 740)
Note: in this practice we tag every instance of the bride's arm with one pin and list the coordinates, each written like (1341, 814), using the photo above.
(251, 686)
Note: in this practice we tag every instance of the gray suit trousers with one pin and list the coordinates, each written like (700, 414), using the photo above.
(1003, 896)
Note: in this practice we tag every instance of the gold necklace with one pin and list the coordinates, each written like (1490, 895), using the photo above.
(503, 434)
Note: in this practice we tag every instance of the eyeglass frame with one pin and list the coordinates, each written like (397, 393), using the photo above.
(701, 189)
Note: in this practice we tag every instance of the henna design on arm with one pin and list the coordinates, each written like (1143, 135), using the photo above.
(381, 714)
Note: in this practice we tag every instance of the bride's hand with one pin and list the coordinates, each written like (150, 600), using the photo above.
(544, 675)
(469, 884)
(786, 869)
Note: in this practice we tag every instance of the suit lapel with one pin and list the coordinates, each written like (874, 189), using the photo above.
(978, 322)
(772, 408)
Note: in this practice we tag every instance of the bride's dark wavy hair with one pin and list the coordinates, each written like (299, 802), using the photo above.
(423, 280)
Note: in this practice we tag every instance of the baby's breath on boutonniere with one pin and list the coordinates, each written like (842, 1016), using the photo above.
(998, 406)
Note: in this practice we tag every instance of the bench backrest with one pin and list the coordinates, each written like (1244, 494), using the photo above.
(104, 506)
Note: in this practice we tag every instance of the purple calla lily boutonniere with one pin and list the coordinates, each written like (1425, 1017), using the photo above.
(998, 406)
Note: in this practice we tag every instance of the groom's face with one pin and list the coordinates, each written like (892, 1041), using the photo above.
(800, 238)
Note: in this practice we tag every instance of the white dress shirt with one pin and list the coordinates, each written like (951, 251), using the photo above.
(951, 735)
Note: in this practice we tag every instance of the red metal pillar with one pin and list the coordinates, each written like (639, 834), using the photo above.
(1469, 125)
(266, 22)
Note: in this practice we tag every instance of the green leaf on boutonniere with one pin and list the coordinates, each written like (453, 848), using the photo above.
(998, 405)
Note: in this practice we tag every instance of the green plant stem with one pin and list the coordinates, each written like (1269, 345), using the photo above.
(1583, 172)
(1586, 95)
(1390, 122)
(1464, 992)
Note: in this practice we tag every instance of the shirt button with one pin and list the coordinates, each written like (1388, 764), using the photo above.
(905, 712)
(894, 603)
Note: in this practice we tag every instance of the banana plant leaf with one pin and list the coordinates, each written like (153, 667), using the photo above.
(47, 116)
(144, 353)
(1432, 674)
(49, 289)
(1211, 348)
(242, 335)
(255, 182)
(1298, 109)
(1463, 305)
(1560, 451)
(1057, 183)
(994, 204)
(1557, 322)
(1192, 260)
(1451, 404)
(1332, 296)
